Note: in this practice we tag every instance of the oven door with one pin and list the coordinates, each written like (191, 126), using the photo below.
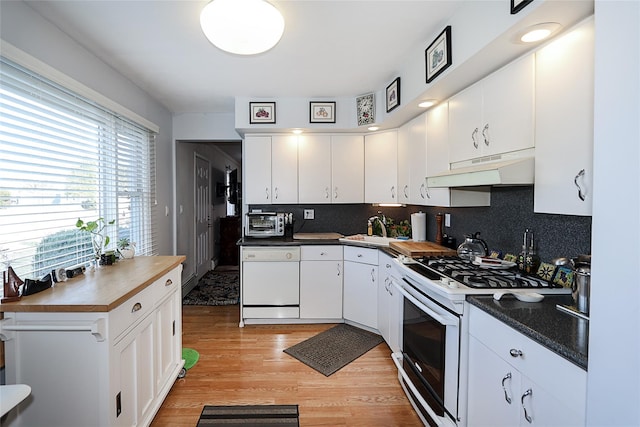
(429, 361)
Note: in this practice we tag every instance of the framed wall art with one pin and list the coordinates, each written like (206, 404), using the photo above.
(322, 112)
(518, 5)
(393, 94)
(438, 54)
(366, 109)
(262, 112)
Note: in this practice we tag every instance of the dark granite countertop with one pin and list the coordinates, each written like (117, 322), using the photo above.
(562, 333)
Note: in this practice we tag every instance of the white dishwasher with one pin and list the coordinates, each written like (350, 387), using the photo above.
(269, 282)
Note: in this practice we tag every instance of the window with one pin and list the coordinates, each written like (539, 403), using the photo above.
(64, 157)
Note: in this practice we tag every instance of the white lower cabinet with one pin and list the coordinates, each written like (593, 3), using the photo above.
(389, 303)
(514, 381)
(321, 273)
(97, 368)
(360, 297)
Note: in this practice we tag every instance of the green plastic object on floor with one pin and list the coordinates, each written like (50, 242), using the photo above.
(190, 357)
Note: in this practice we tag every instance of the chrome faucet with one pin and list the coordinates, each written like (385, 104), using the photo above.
(382, 221)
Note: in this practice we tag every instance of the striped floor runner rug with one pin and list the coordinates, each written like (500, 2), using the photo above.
(249, 416)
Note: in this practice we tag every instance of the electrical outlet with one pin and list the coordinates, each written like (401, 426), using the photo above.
(447, 220)
(309, 214)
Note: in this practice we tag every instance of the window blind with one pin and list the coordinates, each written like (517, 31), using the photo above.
(64, 157)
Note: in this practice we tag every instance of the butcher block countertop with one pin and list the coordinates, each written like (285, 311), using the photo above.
(98, 291)
(420, 249)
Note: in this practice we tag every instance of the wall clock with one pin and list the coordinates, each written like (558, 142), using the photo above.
(366, 109)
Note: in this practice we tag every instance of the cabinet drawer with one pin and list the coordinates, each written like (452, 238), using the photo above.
(167, 284)
(566, 381)
(321, 253)
(363, 255)
(132, 310)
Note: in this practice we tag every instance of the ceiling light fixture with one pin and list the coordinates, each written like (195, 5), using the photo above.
(243, 27)
(538, 32)
(297, 131)
(373, 128)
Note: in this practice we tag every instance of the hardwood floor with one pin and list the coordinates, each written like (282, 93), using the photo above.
(247, 366)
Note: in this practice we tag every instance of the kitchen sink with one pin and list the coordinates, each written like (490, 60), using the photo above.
(370, 240)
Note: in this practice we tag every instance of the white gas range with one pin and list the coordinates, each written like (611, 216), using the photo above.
(432, 365)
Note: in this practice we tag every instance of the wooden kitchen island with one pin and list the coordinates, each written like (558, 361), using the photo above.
(101, 349)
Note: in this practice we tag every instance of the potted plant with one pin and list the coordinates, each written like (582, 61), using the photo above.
(126, 248)
(98, 239)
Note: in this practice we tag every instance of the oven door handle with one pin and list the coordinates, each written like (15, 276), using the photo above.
(397, 360)
(442, 320)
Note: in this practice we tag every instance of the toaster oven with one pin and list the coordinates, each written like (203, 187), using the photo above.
(264, 224)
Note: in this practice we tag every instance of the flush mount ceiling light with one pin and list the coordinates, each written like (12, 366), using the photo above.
(243, 27)
(537, 32)
(373, 128)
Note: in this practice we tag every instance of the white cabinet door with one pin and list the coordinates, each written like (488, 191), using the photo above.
(168, 348)
(404, 164)
(360, 299)
(495, 115)
(134, 356)
(412, 161)
(543, 408)
(437, 152)
(257, 170)
(381, 167)
(494, 389)
(347, 168)
(507, 108)
(389, 304)
(564, 124)
(314, 169)
(321, 289)
(284, 169)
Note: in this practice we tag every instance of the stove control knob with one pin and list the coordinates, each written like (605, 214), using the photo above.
(453, 284)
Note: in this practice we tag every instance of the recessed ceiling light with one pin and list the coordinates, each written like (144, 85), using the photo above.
(373, 128)
(243, 27)
(538, 32)
(427, 103)
(297, 131)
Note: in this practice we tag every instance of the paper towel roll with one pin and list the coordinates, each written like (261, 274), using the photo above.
(419, 226)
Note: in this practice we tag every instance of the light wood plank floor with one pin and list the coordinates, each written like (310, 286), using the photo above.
(247, 366)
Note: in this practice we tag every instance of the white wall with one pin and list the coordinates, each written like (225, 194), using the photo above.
(613, 387)
(23, 28)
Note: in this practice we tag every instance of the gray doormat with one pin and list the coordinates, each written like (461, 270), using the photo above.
(249, 416)
(334, 348)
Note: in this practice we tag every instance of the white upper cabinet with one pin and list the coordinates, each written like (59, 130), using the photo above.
(437, 152)
(314, 169)
(564, 124)
(381, 167)
(271, 169)
(495, 115)
(412, 161)
(347, 168)
(331, 169)
(256, 155)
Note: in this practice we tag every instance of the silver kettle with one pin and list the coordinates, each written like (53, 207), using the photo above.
(581, 287)
(472, 247)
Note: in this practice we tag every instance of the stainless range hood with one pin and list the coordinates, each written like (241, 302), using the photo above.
(518, 171)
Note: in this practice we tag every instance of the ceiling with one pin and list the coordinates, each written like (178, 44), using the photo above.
(330, 48)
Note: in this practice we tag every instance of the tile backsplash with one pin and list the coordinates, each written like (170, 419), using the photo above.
(501, 225)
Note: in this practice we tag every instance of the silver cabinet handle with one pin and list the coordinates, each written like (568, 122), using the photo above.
(406, 196)
(359, 255)
(524, 408)
(326, 192)
(474, 137)
(506, 395)
(422, 194)
(393, 191)
(323, 253)
(387, 265)
(266, 193)
(335, 193)
(169, 282)
(275, 193)
(338, 268)
(575, 181)
(136, 307)
(515, 352)
(373, 275)
(485, 134)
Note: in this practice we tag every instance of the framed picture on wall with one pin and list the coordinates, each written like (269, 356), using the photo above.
(518, 5)
(262, 112)
(438, 54)
(366, 109)
(393, 94)
(322, 112)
